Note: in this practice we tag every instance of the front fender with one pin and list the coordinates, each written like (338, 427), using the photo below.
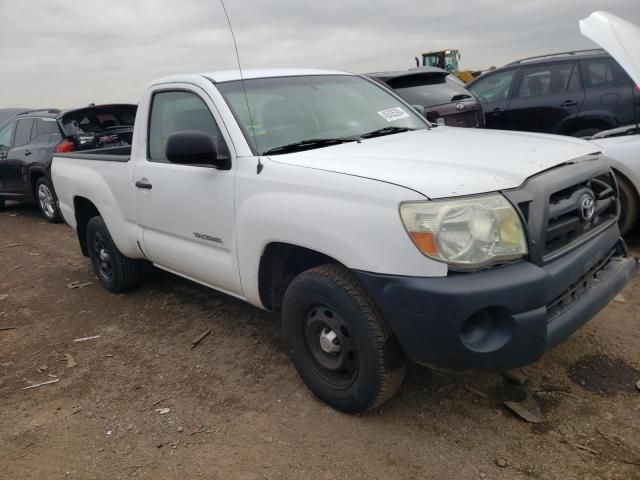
(351, 219)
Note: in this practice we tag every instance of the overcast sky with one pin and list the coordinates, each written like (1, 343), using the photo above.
(68, 53)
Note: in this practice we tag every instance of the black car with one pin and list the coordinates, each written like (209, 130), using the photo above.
(574, 93)
(437, 94)
(29, 140)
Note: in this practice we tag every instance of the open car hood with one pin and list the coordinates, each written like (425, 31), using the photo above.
(618, 37)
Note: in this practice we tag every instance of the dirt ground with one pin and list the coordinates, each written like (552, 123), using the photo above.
(238, 409)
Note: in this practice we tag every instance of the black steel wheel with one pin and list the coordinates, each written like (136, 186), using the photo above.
(115, 271)
(331, 346)
(338, 340)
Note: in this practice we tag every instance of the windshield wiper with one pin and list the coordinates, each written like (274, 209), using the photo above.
(386, 131)
(308, 145)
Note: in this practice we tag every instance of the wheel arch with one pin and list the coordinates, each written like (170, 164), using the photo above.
(84, 210)
(601, 120)
(35, 175)
(625, 178)
(280, 263)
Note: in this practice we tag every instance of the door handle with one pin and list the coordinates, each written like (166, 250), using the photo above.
(144, 183)
(27, 153)
(568, 103)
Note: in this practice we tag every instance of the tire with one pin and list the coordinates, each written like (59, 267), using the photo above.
(586, 132)
(338, 340)
(628, 205)
(115, 271)
(2, 203)
(46, 201)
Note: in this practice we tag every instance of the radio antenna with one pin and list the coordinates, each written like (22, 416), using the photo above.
(246, 98)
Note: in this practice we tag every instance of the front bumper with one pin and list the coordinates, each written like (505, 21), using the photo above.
(505, 317)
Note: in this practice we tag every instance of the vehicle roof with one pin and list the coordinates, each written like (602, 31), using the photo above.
(36, 112)
(417, 72)
(445, 50)
(560, 56)
(248, 74)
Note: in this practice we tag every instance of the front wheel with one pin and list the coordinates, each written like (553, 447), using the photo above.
(115, 271)
(46, 201)
(338, 340)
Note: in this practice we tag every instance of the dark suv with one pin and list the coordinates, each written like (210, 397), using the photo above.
(29, 140)
(574, 93)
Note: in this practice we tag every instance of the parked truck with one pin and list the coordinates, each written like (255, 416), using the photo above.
(376, 236)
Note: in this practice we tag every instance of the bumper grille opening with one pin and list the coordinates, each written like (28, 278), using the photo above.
(578, 289)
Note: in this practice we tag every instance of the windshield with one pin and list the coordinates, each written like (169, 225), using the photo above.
(428, 91)
(288, 110)
(446, 61)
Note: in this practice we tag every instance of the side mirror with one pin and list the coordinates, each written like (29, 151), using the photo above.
(193, 147)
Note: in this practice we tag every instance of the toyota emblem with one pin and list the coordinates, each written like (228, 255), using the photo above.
(587, 207)
(460, 107)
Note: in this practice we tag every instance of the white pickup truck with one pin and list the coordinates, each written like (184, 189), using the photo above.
(323, 197)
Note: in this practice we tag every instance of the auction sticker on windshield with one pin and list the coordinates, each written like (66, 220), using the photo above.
(392, 114)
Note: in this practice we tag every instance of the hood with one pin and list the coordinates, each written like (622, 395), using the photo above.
(618, 37)
(446, 161)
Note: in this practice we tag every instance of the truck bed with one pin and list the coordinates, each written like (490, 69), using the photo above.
(113, 154)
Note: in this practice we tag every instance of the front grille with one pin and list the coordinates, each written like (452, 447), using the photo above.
(578, 289)
(566, 223)
(551, 205)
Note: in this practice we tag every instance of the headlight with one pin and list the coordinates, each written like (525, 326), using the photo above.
(466, 233)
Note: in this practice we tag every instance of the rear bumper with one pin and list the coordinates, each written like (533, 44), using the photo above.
(504, 317)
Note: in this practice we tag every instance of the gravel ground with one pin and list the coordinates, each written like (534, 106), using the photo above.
(235, 407)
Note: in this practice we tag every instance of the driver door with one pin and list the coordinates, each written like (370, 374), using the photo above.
(186, 212)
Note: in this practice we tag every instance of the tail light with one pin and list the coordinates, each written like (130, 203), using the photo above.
(65, 146)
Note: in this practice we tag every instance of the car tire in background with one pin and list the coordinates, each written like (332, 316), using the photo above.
(586, 132)
(338, 340)
(47, 201)
(628, 205)
(115, 271)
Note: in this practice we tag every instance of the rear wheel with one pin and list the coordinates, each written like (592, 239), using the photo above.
(339, 342)
(46, 201)
(115, 271)
(628, 205)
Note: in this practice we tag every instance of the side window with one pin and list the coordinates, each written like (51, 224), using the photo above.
(23, 132)
(6, 135)
(494, 87)
(179, 111)
(603, 72)
(47, 125)
(547, 80)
